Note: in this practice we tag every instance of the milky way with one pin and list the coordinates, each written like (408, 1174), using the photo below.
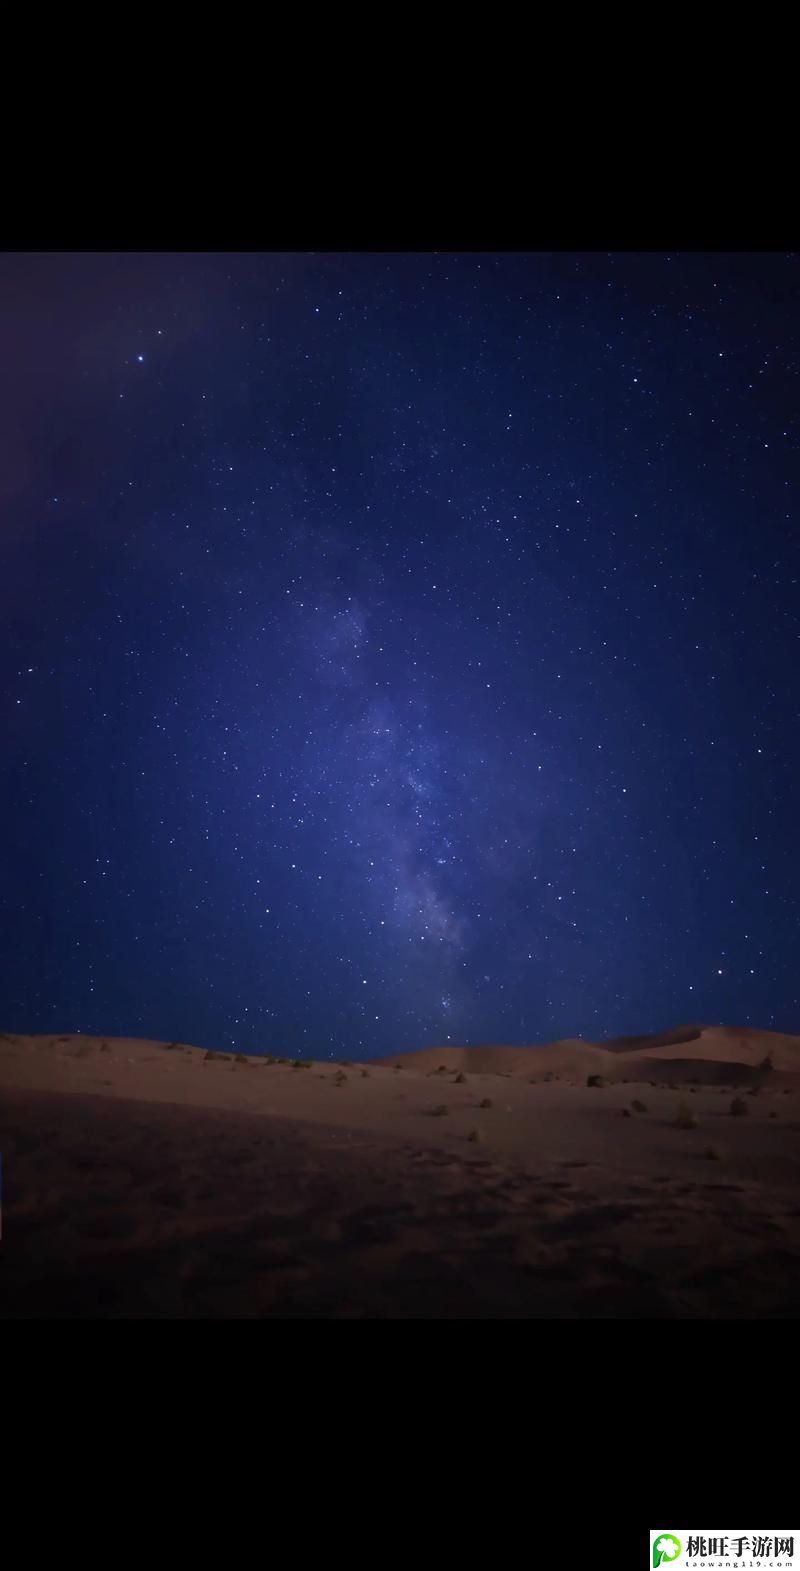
(398, 649)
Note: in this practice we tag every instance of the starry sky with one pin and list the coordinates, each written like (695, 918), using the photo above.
(398, 648)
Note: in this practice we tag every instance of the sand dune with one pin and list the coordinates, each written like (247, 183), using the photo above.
(731, 1043)
(149, 1178)
(570, 1056)
(747, 1046)
(689, 1048)
(635, 1044)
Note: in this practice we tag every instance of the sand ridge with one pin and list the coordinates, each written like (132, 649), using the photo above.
(623, 1057)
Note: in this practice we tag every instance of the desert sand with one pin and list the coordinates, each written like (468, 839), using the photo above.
(157, 1179)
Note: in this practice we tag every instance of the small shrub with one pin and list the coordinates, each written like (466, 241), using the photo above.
(442, 1070)
(626, 1112)
(738, 1107)
(686, 1117)
(753, 1091)
(339, 1078)
(439, 1110)
(773, 1115)
(713, 1154)
(487, 1102)
(460, 1078)
(282, 1060)
(365, 1074)
(638, 1107)
(240, 1059)
(475, 1135)
(596, 1080)
(268, 1059)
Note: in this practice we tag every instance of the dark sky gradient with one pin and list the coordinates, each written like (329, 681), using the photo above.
(399, 649)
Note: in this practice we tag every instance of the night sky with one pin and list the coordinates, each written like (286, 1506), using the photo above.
(398, 648)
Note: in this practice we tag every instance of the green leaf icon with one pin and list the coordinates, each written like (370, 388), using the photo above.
(666, 1547)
